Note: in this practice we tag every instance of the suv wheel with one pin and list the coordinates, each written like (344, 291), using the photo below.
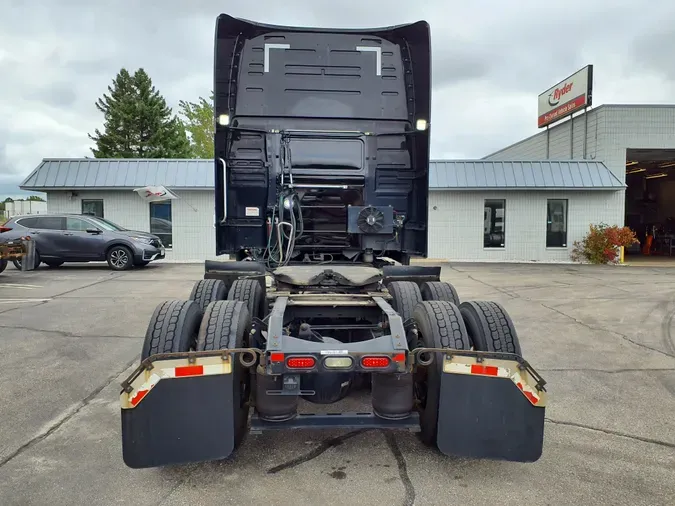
(38, 261)
(119, 258)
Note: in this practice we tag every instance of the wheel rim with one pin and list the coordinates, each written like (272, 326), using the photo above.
(119, 258)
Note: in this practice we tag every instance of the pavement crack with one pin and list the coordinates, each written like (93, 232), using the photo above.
(666, 333)
(402, 469)
(500, 290)
(24, 307)
(179, 483)
(110, 278)
(613, 433)
(65, 417)
(323, 447)
(64, 333)
(622, 336)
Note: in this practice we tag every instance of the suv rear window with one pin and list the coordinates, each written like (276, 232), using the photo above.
(28, 222)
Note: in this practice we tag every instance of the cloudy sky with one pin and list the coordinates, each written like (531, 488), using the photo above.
(491, 59)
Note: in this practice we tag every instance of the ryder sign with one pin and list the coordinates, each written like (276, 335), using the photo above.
(566, 97)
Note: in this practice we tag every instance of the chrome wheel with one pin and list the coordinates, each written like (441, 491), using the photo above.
(119, 258)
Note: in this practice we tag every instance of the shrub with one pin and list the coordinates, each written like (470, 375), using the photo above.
(601, 244)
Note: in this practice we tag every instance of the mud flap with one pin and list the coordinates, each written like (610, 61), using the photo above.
(490, 418)
(179, 421)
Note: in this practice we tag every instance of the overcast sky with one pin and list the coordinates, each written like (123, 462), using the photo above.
(490, 61)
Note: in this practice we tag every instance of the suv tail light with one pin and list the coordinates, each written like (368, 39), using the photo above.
(4, 229)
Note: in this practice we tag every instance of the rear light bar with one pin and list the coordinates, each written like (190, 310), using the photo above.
(300, 362)
(375, 362)
(306, 362)
(338, 362)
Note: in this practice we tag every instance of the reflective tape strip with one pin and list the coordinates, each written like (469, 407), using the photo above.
(137, 396)
(482, 370)
(497, 372)
(527, 390)
(185, 371)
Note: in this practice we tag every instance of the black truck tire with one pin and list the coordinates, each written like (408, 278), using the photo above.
(173, 328)
(440, 325)
(206, 291)
(226, 325)
(490, 327)
(439, 290)
(250, 293)
(405, 296)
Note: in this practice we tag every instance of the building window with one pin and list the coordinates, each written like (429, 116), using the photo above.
(93, 207)
(160, 222)
(556, 223)
(494, 213)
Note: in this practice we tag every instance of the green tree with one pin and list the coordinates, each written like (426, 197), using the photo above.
(137, 121)
(199, 125)
(35, 198)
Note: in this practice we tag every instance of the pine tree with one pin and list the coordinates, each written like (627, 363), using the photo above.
(137, 121)
(199, 124)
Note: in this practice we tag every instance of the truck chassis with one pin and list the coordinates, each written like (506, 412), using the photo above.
(238, 356)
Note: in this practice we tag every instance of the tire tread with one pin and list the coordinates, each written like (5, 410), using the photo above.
(206, 291)
(497, 327)
(440, 290)
(166, 326)
(406, 295)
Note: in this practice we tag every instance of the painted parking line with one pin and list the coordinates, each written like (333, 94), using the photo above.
(15, 301)
(19, 285)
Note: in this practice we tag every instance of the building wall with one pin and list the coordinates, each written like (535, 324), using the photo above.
(646, 127)
(611, 130)
(456, 223)
(191, 214)
(18, 207)
(565, 141)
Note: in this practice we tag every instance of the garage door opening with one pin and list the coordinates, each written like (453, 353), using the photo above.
(650, 202)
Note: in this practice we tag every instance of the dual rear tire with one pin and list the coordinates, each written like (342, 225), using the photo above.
(212, 319)
(442, 321)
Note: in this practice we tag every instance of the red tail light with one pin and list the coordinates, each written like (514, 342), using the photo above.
(4, 229)
(300, 362)
(375, 362)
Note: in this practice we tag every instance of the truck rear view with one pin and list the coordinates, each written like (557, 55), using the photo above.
(321, 164)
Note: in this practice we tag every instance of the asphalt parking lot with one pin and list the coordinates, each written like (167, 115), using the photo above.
(601, 337)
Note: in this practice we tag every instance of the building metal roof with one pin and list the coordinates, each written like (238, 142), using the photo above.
(197, 174)
(523, 175)
(120, 173)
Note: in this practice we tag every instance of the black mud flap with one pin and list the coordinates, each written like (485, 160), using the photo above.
(488, 418)
(180, 421)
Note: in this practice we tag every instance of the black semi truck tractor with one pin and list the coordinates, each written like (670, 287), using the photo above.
(321, 183)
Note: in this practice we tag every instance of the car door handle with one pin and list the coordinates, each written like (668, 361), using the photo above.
(67, 233)
(35, 232)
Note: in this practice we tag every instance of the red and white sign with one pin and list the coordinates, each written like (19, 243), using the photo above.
(566, 97)
(155, 193)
